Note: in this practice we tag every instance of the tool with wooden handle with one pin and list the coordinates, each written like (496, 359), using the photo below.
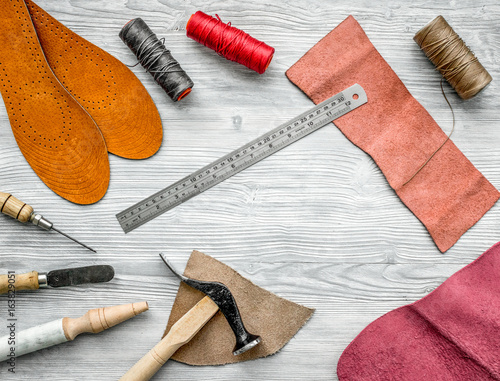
(218, 297)
(66, 329)
(180, 333)
(221, 295)
(17, 209)
(56, 278)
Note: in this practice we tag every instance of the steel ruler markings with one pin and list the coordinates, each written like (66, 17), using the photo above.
(242, 158)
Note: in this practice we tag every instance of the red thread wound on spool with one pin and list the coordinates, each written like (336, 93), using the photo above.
(229, 42)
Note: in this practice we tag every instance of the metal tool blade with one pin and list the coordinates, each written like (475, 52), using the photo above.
(80, 275)
(73, 239)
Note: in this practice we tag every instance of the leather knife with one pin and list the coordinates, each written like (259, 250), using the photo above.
(33, 280)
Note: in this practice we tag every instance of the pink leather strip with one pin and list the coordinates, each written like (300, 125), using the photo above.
(449, 194)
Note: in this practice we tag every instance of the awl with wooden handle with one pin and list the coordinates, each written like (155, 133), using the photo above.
(56, 278)
(17, 209)
(65, 329)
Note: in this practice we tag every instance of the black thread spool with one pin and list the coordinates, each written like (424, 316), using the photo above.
(156, 59)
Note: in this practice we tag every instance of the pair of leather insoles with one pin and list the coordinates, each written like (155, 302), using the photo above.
(69, 103)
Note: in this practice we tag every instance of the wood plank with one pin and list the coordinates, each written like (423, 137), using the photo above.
(316, 223)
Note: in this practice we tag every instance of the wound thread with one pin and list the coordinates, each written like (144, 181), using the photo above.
(454, 60)
(156, 59)
(229, 42)
(456, 63)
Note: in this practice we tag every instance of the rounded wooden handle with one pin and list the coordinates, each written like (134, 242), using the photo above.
(152, 361)
(15, 208)
(99, 319)
(16, 282)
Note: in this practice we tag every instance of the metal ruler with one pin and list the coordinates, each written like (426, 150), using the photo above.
(242, 158)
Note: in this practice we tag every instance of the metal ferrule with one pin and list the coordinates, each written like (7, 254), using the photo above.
(38, 220)
(42, 280)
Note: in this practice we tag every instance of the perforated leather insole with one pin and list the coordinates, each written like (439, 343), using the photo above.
(56, 135)
(105, 87)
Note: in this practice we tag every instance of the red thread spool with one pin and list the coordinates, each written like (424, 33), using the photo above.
(229, 42)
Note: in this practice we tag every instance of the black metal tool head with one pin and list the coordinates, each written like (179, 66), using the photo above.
(221, 296)
(80, 275)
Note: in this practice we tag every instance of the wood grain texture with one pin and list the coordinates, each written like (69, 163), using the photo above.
(316, 223)
(97, 320)
(18, 282)
(15, 208)
(180, 334)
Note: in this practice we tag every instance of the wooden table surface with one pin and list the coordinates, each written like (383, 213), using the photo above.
(317, 223)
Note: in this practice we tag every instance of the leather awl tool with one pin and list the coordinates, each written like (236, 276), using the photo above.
(218, 297)
(56, 278)
(17, 209)
(66, 329)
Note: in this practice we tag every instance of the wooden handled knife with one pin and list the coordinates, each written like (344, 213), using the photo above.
(56, 278)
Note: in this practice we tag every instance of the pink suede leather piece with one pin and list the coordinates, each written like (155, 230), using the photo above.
(449, 195)
(451, 334)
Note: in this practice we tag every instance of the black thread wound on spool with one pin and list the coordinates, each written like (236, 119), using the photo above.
(156, 59)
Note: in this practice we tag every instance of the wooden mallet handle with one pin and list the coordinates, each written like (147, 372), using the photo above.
(152, 361)
(28, 281)
(15, 208)
(180, 333)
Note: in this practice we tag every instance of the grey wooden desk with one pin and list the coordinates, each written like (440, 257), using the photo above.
(317, 223)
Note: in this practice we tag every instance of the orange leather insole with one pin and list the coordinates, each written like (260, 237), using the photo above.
(105, 87)
(56, 135)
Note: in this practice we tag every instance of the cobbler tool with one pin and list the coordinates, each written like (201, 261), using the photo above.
(56, 278)
(242, 158)
(218, 297)
(17, 209)
(66, 329)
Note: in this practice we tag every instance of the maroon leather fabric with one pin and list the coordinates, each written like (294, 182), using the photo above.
(451, 334)
(449, 194)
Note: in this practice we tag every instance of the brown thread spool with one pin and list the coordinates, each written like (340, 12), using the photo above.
(454, 60)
